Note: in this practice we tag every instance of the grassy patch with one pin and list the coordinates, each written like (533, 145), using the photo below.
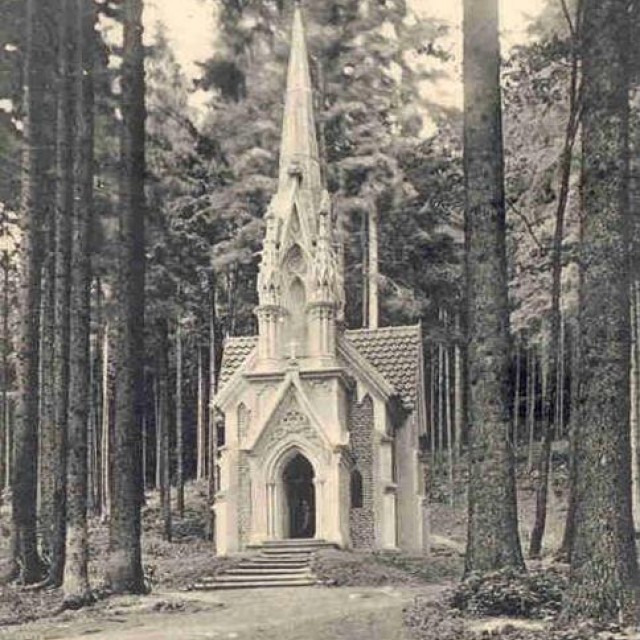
(361, 569)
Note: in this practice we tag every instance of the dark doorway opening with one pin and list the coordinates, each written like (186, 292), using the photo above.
(301, 498)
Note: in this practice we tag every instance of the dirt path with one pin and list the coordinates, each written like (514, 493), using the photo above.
(309, 613)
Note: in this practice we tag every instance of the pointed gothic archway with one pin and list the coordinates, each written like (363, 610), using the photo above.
(299, 498)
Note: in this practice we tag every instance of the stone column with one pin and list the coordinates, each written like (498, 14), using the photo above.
(319, 495)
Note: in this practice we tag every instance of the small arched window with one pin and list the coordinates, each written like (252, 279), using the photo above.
(356, 489)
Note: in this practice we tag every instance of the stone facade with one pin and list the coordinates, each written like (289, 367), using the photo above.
(321, 424)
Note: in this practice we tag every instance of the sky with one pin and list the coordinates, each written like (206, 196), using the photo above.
(191, 31)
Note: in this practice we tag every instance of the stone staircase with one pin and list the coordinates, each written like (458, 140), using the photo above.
(278, 563)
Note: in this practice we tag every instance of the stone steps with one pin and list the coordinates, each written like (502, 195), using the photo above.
(254, 584)
(260, 570)
(278, 563)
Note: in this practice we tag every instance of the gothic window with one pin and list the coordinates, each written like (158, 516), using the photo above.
(356, 489)
(297, 304)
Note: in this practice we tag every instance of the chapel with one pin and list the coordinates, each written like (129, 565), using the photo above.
(322, 425)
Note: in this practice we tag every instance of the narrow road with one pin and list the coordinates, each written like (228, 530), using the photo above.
(303, 613)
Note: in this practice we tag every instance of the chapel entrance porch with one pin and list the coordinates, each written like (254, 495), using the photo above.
(299, 498)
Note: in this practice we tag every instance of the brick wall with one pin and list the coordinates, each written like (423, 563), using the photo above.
(362, 520)
(244, 499)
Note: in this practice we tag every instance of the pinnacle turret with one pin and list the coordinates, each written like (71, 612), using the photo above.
(299, 156)
(300, 283)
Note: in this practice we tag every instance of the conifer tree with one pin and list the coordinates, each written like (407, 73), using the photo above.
(492, 539)
(604, 569)
(76, 578)
(124, 572)
(38, 82)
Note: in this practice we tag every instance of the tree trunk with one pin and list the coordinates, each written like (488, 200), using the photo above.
(364, 247)
(450, 443)
(441, 404)
(432, 409)
(531, 402)
(200, 422)
(76, 574)
(98, 401)
(124, 570)
(145, 455)
(564, 552)
(179, 433)
(516, 396)
(633, 411)
(38, 82)
(374, 268)
(64, 213)
(48, 391)
(552, 403)
(9, 421)
(544, 463)
(213, 426)
(157, 404)
(604, 568)
(4, 380)
(47, 451)
(493, 541)
(458, 392)
(163, 427)
(105, 468)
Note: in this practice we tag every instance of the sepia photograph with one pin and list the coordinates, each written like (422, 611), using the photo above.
(319, 319)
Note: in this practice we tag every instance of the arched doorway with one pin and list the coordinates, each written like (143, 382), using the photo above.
(300, 498)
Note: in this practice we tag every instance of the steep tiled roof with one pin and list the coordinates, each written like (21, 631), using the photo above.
(394, 352)
(235, 353)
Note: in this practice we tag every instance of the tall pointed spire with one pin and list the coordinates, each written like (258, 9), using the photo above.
(299, 150)
(300, 282)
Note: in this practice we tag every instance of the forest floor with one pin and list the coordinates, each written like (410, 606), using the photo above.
(367, 602)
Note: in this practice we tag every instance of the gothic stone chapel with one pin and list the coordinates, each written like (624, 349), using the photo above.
(322, 424)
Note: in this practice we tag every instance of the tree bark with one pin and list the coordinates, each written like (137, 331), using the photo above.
(493, 541)
(179, 428)
(458, 392)
(163, 427)
(364, 247)
(97, 399)
(38, 82)
(213, 426)
(76, 574)
(4, 380)
(374, 267)
(432, 408)
(441, 403)
(516, 396)
(124, 570)
(201, 452)
(64, 214)
(604, 568)
(564, 552)
(450, 443)
(531, 402)
(157, 404)
(633, 413)
(48, 387)
(105, 468)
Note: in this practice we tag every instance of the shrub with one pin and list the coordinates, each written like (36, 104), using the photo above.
(509, 593)
(434, 621)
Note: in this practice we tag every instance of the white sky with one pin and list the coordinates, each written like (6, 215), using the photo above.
(191, 31)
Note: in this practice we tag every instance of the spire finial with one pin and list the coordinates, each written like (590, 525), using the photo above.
(299, 141)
